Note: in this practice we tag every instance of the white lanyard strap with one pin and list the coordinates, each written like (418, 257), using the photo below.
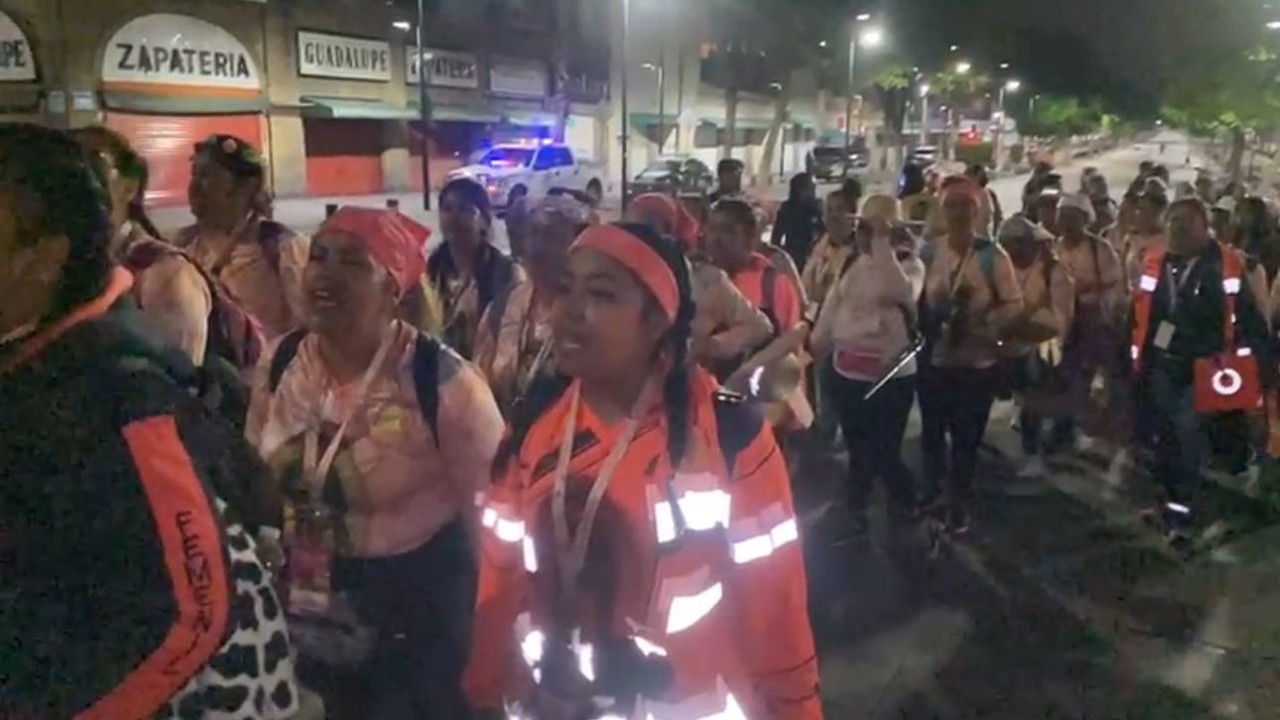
(572, 551)
(315, 471)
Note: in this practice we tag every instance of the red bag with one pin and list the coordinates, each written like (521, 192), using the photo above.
(1226, 383)
(1229, 381)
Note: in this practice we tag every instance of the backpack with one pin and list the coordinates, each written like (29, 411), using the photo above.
(234, 334)
(235, 339)
(426, 373)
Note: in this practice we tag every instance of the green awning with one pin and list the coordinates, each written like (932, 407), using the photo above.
(740, 123)
(648, 118)
(530, 119)
(457, 113)
(353, 109)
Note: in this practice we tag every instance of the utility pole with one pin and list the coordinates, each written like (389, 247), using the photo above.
(424, 104)
(848, 99)
(680, 52)
(626, 121)
(924, 115)
(662, 100)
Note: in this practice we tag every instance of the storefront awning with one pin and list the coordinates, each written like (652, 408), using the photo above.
(140, 100)
(648, 118)
(741, 123)
(530, 119)
(354, 109)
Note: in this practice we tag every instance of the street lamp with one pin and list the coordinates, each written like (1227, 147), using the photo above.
(1010, 86)
(622, 99)
(963, 67)
(871, 37)
(424, 102)
(1273, 25)
(662, 103)
(924, 114)
(1004, 66)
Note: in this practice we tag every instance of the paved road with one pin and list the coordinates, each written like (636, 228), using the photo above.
(1061, 603)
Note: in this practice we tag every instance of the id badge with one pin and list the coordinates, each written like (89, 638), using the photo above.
(310, 588)
(1164, 335)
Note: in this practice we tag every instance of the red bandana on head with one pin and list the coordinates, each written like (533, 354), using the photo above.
(394, 240)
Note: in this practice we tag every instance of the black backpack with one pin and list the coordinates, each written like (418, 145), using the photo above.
(426, 373)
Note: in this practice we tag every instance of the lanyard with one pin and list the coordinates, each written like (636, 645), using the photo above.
(957, 275)
(531, 372)
(1175, 286)
(572, 551)
(315, 470)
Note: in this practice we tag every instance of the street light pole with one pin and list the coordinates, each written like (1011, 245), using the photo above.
(924, 115)
(662, 103)
(848, 99)
(622, 89)
(424, 104)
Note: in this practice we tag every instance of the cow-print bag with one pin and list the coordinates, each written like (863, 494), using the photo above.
(252, 674)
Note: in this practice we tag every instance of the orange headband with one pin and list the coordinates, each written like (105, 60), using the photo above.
(641, 259)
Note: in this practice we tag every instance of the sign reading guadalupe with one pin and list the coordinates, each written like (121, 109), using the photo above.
(16, 63)
(168, 52)
(445, 68)
(519, 78)
(343, 58)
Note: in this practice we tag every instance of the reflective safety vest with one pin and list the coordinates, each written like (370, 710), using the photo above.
(712, 584)
(1153, 266)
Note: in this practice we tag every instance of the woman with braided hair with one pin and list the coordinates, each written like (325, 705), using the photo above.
(640, 553)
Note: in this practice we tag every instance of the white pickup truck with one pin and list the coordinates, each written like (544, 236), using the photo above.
(512, 171)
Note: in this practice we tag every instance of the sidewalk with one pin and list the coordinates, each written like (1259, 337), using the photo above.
(306, 213)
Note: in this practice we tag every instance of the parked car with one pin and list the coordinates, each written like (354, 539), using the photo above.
(829, 162)
(673, 175)
(924, 155)
(513, 170)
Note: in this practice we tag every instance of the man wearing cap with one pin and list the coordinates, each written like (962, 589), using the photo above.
(1043, 207)
(728, 179)
(1100, 301)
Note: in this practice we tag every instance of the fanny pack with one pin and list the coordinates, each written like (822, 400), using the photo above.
(856, 364)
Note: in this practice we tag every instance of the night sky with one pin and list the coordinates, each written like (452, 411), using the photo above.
(1121, 50)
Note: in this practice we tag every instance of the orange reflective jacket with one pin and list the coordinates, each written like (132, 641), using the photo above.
(704, 564)
(1152, 266)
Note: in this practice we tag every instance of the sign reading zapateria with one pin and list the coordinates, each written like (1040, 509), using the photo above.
(343, 58)
(169, 52)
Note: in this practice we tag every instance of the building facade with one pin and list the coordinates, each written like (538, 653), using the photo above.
(328, 89)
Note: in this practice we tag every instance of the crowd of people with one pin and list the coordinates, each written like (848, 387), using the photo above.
(245, 467)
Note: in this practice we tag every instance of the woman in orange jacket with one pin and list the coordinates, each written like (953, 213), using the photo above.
(640, 555)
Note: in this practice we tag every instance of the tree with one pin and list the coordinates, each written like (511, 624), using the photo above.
(762, 45)
(956, 89)
(1230, 93)
(789, 43)
(1224, 82)
(894, 88)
